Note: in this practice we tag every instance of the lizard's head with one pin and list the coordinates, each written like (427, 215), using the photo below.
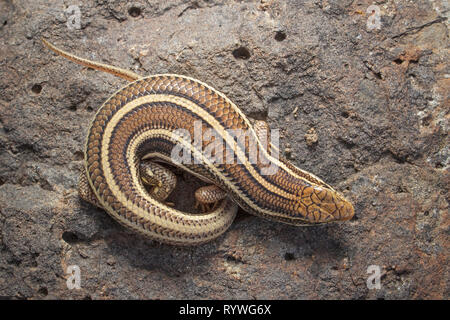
(322, 204)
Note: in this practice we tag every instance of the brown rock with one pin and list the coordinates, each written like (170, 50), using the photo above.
(378, 100)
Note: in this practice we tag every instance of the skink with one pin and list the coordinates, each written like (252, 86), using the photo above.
(147, 119)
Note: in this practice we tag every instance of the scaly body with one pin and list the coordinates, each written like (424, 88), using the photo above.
(143, 121)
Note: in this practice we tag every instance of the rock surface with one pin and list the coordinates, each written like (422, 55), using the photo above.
(366, 110)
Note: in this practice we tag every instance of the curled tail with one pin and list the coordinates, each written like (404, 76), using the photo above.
(128, 75)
